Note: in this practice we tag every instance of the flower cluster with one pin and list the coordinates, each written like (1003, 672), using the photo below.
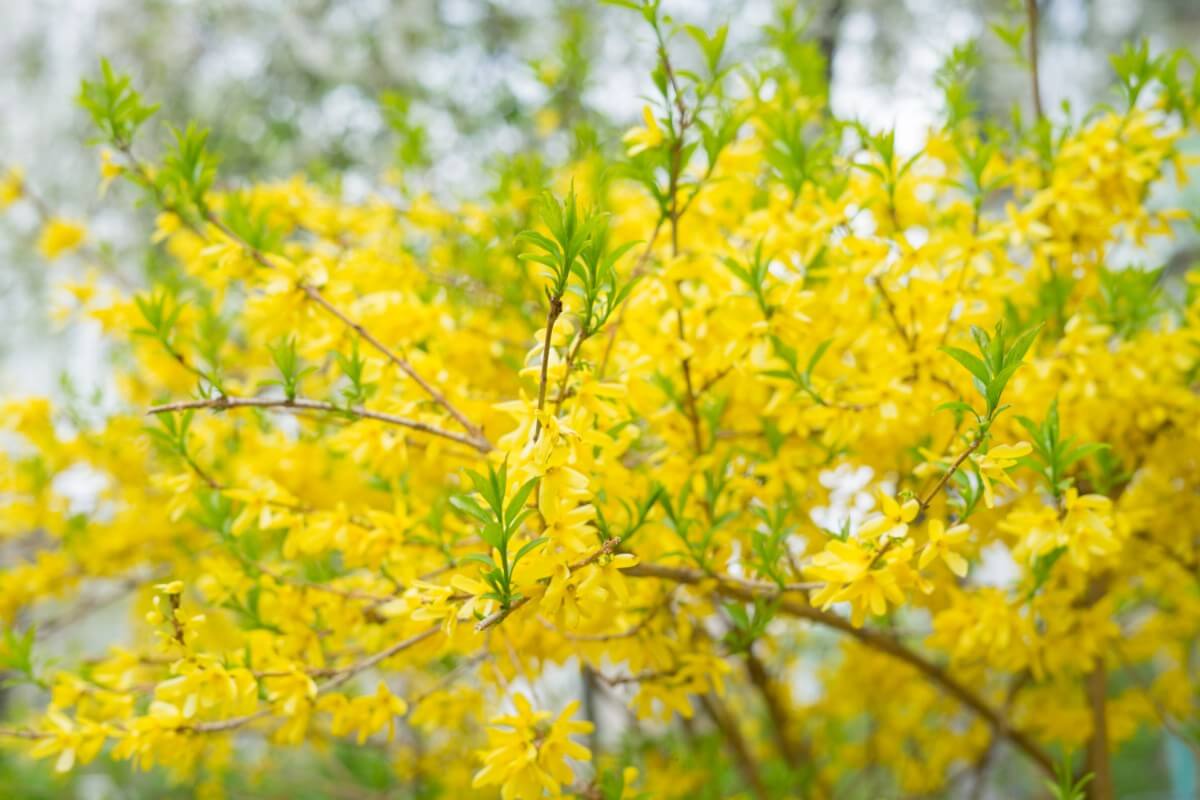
(408, 463)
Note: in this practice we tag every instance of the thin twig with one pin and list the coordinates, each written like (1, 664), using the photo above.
(497, 617)
(1031, 11)
(552, 315)
(225, 402)
(481, 441)
(743, 759)
(881, 642)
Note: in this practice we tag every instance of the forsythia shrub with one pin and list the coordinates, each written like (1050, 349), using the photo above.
(760, 404)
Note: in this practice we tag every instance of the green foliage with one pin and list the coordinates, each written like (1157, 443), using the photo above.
(1135, 69)
(770, 540)
(801, 153)
(290, 371)
(1000, 355)
(711, 46)
(754, 275)
(976, 155)
(802, 377)
(1053, 455)
(637, 514)
(253, 226)
(597, 283)
(115, 107)
(188, 170)
(690, 103)
(1049, 307)
(571, 228)
(1109, 471)
(968, 491)
(1179, 95)
(1128, 300)
(883, 146)
(1013, 37)
(356, 391)
(747, 626)
(411, 137)
(683, 526)
(954, 79)
(16, 657)
(500, 523)
(612, 787)
(1066, 786)
(171, 437)
(1043, 566)
(161, 313)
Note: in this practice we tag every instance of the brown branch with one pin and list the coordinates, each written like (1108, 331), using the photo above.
(340, 676)
(1031, 11)
(349, 672)
(481, 441)
(496, 617)
(901, 328)
(1098, 760)
(628, 633)
(552, 315)
(22, 733)
(693, 413)
(86, 606)
(572, 355)
(942, 481)
(881, 642)
(781, 725)
(743, 759)
(225, 402)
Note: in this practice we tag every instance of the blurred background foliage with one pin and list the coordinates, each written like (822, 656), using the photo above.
(457, 98)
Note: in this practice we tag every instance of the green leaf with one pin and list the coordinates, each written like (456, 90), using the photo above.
(478, 558)
(468, 505)
(1018, 349)
(970, 363)
(817, 355)
(493, 534)
(527, 548)
(519, 499)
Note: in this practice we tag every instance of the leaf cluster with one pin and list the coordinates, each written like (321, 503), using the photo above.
(1000, 355)
(500, 523)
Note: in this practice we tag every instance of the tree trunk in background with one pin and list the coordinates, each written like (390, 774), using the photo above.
(827, 38)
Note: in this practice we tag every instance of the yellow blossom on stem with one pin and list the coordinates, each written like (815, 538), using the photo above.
(60, 236)
(995, 464)
(942, 543)
(527, 754)
(644, 138)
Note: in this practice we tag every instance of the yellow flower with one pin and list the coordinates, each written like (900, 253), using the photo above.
(109, 170)
(1088, 526)
(526, 756)
(572, 596)
(893, 523)
(366, 714)
(639, 140)
(995, 463)
(867, 579)
(73, 743)
(940, 544)
(12, 187)
(60, 236)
